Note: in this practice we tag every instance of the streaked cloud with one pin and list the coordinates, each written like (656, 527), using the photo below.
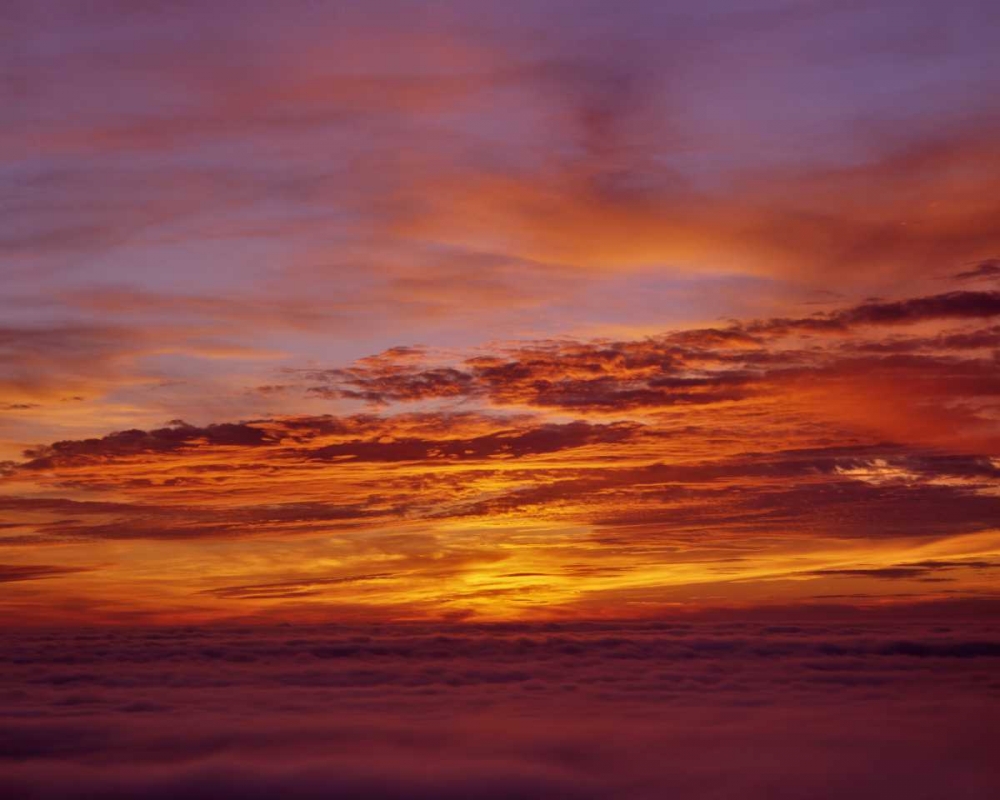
(533, 478)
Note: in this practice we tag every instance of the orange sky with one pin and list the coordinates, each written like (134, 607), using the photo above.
(451, 313)
(838, 456)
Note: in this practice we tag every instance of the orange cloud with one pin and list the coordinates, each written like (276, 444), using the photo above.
(746, 460)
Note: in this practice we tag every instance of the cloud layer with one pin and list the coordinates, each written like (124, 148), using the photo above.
(752, 462)
(556, 710)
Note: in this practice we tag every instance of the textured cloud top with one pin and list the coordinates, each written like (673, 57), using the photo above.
(860, 708)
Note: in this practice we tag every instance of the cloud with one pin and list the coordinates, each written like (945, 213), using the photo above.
(586, 709)
(136, 442)
(951, 305)
(383, 175)
(510, 444)
(292, 588)
(497, 172)
(33, 572)
(924, 570)
(990, 268)
(548, 477)
(842, 359)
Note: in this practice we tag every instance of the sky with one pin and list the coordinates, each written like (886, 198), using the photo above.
(452, 311)
(537, 399)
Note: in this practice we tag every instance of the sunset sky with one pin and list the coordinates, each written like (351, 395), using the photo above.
(434, 310)
(533, 313)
